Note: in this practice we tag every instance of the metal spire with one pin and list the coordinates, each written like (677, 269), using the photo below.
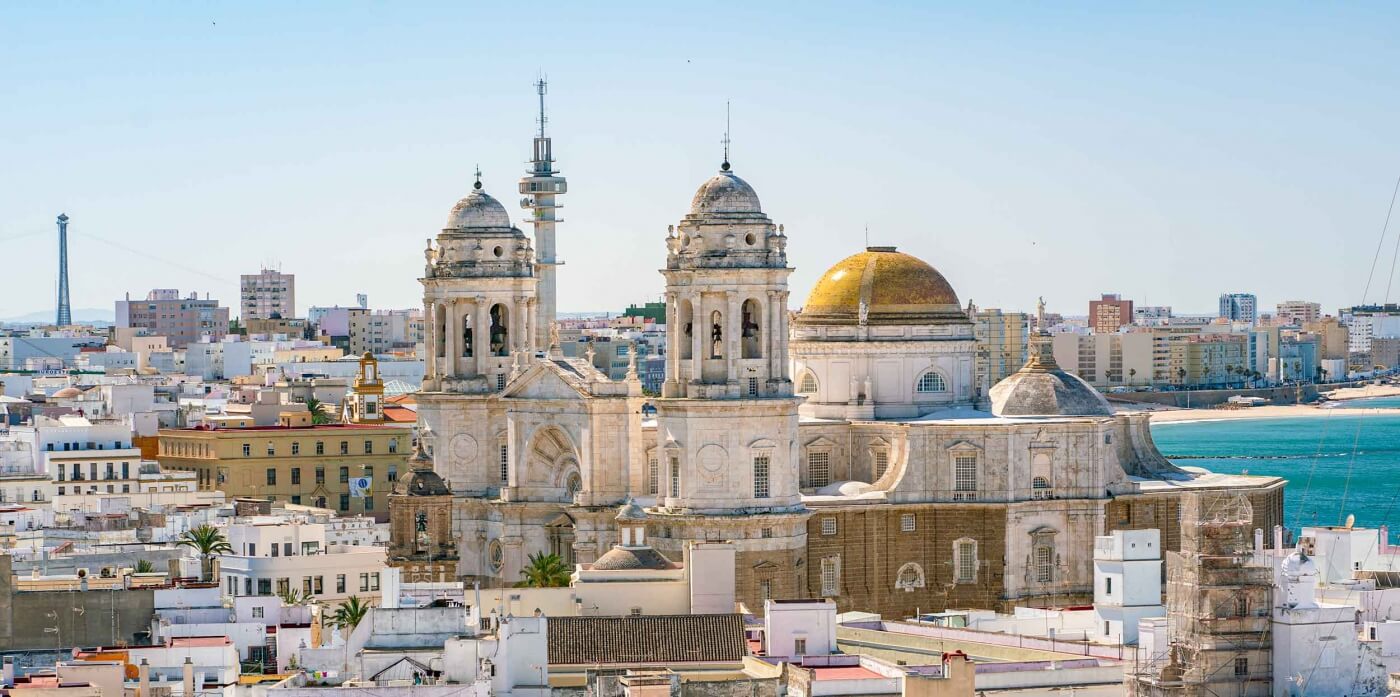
(477, 184)
(725, 165)
(541, 88)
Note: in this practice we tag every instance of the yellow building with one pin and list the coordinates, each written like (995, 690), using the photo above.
(300, 463)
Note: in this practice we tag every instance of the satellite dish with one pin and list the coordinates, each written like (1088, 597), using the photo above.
(1351, 520)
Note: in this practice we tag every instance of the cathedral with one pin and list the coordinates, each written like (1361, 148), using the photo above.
(843, 449)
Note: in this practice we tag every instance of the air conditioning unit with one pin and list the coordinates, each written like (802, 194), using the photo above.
(82, 572)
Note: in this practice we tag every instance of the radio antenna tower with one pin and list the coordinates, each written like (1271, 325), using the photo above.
(65, 308)
(540, 185)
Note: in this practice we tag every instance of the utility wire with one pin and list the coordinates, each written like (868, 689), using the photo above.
(1379, 243)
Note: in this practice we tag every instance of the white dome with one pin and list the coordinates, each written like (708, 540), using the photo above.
(725, 193)
(478, 211)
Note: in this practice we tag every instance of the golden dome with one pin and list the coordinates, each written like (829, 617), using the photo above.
(893, 287)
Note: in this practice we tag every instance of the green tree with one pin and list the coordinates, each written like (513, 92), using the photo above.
(348, 614)
(318, 411)
(207, 541)
(294, 597)
(545, 571)
(144, 566)
(1132, 374)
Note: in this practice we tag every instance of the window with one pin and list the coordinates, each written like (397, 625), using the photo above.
(675, 476)
(344, 475)
(393, 473)
(275, 550)
(765, 590)
(344, 502)
(818, 469)
(500, 381)
(1040, 488)
(296, 500)
(965, 478)
(247, 450)
(799, 647)
(1241, 666)
(286, 549)
(828, 526)
(808, 384)
(272, 476)
(931, 382)
(653, 477)
(296, 448)
(1044, 564)
(284, 586)
(765, 533)
(882, 463)
(320, 475)
(635, 612)
(296, 475)
(831, 576)
(1108, 585)
(906, 522)
(367, 470)
(505, 463)
(271, 449)
(345, 447)
(393, 445)
(340, 583)
(760, 476)
(252, 549)
(264, 586)
(965, 561)
(369, 503)
(320, 447)
(306, 585)
(257, 609)
(369, 447)
(753, 387)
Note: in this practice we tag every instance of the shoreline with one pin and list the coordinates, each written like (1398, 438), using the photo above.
(1167, 415)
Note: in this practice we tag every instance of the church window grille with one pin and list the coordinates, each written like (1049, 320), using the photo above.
(1044, 564)
(500, 381)
(965, 478)
(753, 387)
(760, 476)
(965, 561)
(653, 477)
(675, 477)
(818, 469)
(766, 533)
(765, 590)
(907, 522)
(1242, 666)
(808, 384)
(932, 382)
(505, 463)
(828, 526)
(1040, 488)
(882, 463)
(831, 576)
(573, 484)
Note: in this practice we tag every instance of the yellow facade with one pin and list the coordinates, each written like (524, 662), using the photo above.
(309, 465)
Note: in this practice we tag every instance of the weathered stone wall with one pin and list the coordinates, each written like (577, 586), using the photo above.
(88, 618)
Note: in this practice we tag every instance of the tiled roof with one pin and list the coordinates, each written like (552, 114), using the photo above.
(647, 639)
(630, 558)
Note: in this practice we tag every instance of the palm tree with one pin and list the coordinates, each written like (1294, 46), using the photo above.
(294, 597)
(318, 411)
(545, 571)
(208, 541)
(1132, 373)
(348, 614)
(144, 566)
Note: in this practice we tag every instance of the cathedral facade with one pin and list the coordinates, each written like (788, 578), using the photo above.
(843, 450)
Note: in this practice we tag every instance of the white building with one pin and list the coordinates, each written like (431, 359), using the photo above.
(1127, 583)
(276, 557)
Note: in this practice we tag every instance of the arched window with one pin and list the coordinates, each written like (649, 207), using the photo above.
(1040, 488)
(573, 484)
(1045, 564)
(496, 555)
(500, 331)
(750, 333)
(716, 330)
(931, 382)
(467, 335)
(685, 318)
(910, 576)
(807, 384)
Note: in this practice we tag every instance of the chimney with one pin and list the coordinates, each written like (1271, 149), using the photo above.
(1259, 541)
(1278, 537)
(143, 673)
(9, 671)
(189, 677)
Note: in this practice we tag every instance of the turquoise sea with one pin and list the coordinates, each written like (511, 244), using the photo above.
(1336, 463)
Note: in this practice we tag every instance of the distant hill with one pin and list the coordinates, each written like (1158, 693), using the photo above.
(79, 315)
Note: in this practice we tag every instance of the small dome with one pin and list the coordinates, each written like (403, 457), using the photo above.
(68, 393)
(1041, 388)
(725, 193)
(630, 511)
(421, 482)
(627, 559)
(891, 286)
(478, 211)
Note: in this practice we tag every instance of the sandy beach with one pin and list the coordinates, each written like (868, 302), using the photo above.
(1172, 415)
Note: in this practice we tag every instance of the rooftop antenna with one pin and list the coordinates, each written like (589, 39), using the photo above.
(542, 87)
(725, 165)
(867, 235)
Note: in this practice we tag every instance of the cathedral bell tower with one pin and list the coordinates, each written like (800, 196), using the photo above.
(365, 403)
(727, 420)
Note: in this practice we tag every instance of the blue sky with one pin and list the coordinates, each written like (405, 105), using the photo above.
(1166, 152)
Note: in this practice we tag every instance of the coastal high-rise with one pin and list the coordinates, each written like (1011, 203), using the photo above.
(1109, 312)
(1298, 312)
(268, 294)
(540, 185)
(1240, 307)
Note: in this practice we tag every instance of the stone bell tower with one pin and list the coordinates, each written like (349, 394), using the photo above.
(727, 419)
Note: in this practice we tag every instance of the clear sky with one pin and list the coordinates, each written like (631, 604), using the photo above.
(1166, 151)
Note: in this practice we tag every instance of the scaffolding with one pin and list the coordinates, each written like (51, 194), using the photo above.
(1218, 608)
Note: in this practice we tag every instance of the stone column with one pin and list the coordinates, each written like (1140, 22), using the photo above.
(673, 339)
(732, 333)
(699, 334)
(429, 341)
(780, 342)
(452, 335)
(481, 334)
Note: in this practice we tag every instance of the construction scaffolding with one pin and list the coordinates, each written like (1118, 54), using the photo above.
(1218, 608)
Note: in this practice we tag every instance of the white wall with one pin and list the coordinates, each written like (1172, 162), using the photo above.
(786, 622)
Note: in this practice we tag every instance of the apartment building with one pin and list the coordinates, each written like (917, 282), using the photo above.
(181, 321)
(268, 294)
